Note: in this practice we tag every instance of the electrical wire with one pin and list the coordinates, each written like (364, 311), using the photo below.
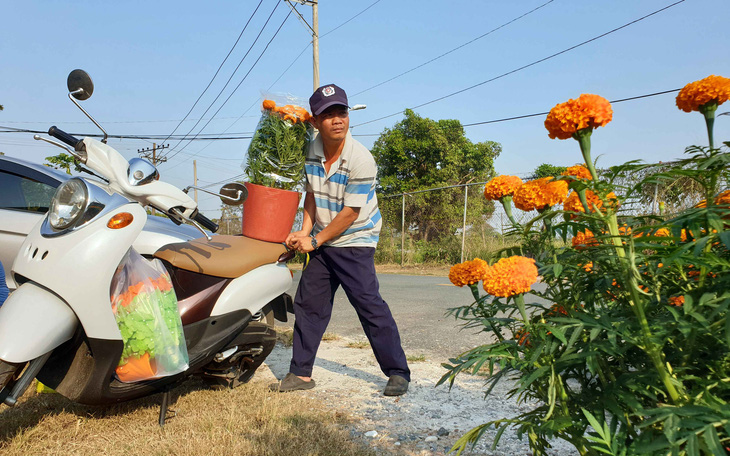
(506, 119)
(320, 37)
(528, 65)
(236, 135)
(217, 71)
(230, 78)
(239, 84)
(454, 49)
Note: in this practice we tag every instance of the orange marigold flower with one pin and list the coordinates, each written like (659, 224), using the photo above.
(699, 93)
(510, 276)
(588, 266)
(578, 171)
(584, 239)
(468, 272)
(573, 203)
(587, 111)
(522, 337)
(662, 232)
(676, 301)
(501, 186)
(723, 199)
(269, 105)
(540, 193)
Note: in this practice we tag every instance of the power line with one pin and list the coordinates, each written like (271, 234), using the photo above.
(506, 119)
(320, 37)
(353, 17)
(232, 74)
(218, 137)
(454, 49)
(528, 65)
(217, 71)
(287, 69)
(248, 135)
(239, 84)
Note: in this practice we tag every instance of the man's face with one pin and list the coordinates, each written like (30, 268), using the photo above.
(333, 123)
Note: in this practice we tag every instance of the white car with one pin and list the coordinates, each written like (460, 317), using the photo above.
(26, 190)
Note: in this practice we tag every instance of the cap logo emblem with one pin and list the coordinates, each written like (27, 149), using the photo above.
(328, 91)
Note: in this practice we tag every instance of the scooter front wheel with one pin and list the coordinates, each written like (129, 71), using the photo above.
(9, 374)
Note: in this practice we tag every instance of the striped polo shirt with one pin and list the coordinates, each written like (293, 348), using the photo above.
(350, 182)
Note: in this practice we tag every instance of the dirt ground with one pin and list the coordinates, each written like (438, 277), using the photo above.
(428, 420)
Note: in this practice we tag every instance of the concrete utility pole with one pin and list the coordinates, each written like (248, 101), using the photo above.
(315, 34)
(195, 179)
(151, 154)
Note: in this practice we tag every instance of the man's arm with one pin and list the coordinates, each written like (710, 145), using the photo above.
(307, 222)
(339, 224)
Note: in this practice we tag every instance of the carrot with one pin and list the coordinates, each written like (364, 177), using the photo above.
(136, 369)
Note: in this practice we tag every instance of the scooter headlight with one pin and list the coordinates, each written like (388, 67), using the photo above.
(68, 204)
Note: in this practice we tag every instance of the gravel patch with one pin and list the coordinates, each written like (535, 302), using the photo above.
(428, 420)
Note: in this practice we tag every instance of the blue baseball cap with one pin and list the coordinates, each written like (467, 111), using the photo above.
(326, 96)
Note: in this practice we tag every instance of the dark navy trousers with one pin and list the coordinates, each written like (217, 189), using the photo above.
(354, 269)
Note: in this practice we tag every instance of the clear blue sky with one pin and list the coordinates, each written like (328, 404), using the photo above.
(151, 60)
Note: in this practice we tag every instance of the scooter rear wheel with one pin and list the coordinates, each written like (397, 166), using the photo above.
(255, 343)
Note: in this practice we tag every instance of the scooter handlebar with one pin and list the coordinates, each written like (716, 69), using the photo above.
(205, 222)
(61, 135)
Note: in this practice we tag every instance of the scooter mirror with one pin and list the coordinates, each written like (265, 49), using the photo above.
(233, 194)
(80, 85)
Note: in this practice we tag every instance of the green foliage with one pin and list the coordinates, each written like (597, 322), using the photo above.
(419, 153)
(150, 323)
(277, 152)
(618, 364)
(63, 161)
(548, 170)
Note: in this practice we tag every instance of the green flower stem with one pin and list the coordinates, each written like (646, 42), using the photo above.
(584, 140)
(637, 305)
(708, 110)
(475, 292)
(507, 205)
(584, 200)
(520, 301)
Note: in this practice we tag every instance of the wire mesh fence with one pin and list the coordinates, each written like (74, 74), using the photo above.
(450, 224)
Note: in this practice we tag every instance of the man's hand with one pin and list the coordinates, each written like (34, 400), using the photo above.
(293, 239)
(305, 244)
(299, 241)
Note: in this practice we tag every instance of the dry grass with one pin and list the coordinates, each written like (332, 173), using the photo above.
(416, 358)
(249, 420)
(285, 335)
(358, 344)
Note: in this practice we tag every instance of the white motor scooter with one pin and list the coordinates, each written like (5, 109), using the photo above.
(58, 326)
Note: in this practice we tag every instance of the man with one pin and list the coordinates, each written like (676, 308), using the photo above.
(339, 232)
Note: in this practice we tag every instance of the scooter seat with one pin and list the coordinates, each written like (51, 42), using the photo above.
(224, 256)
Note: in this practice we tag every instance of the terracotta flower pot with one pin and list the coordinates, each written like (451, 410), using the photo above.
(268, 213)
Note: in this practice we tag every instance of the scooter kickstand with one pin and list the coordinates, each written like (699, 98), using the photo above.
(163, 407)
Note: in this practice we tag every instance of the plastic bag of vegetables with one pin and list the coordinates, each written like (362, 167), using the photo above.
(145, 308)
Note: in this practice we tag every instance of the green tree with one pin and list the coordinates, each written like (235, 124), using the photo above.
(548, 170)
(419, 153)
(62, 161)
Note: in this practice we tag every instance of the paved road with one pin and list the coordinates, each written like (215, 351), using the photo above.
(419, 305)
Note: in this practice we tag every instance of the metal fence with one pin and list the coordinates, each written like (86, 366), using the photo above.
(451, 224)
